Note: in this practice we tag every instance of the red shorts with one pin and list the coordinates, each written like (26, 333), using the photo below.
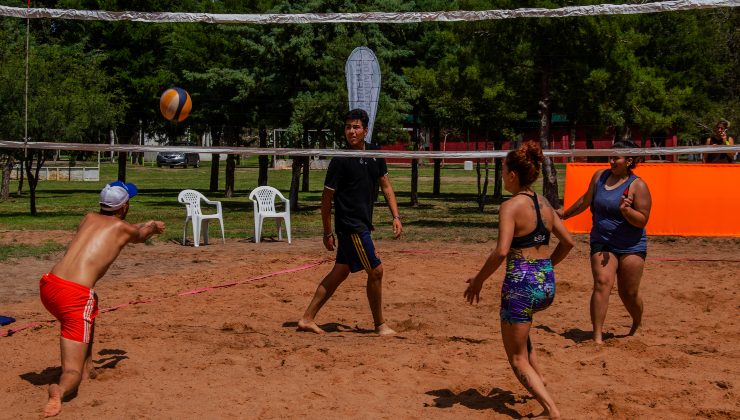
(74, 305)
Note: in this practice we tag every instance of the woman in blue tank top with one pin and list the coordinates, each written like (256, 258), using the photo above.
(525, 223)
(620, 204)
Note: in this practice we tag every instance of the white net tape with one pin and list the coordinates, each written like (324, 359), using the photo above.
(367, 17)
(388, 154)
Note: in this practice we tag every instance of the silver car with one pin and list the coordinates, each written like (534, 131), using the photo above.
(183, 159)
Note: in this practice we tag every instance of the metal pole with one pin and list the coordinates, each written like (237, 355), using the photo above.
(25, 129)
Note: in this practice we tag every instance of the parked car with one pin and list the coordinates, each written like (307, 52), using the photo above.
(178, 158)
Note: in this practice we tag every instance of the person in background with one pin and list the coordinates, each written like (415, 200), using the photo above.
(620, 204)
(720, 137)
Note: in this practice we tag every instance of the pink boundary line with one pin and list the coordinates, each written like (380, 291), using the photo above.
(11, 331)
(426, 251)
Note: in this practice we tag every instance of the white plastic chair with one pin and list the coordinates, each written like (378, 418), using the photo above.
(191, 199)
(263, 199)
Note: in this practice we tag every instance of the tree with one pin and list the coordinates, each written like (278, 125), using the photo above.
(60, 108)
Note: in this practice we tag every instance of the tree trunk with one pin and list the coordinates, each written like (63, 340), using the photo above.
(306, 170)
(230, 171)
(7, 165)
(589, 144)
(294, 180)
(21, 177)
(482, 190)
(33, 176)
(231, 137)
(305, 162)
(498, 193)
(215, 160)
(437, 162)
(549, 175)
(122, 160)
(263, 159)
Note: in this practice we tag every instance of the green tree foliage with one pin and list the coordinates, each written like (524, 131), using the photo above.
(60, 108)
(666, 71)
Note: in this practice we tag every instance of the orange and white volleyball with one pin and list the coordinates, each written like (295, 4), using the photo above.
(175, 104)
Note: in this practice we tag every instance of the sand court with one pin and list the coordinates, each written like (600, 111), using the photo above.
(233, 352)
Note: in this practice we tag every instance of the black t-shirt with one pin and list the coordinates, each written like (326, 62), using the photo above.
(354, 181)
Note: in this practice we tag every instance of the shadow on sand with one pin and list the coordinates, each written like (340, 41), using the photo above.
(498, 400)
(50, 375)
(333, 327)
(579, 336)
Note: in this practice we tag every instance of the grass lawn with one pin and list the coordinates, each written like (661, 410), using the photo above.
(452, 215)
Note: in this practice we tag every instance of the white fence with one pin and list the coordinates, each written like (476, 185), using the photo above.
(62, 173)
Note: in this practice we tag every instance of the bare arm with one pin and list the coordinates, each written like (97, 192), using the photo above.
(565, 243)
(497, 257)
(326, 200)
(584, 201)
(390, 198)
(636, 206)
(143, 231)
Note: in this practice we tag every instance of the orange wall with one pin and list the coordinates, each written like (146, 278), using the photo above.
(688, 199)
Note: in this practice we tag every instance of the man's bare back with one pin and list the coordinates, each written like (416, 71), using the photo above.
(99, 240)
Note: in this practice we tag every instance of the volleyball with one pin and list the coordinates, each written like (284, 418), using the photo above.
(175, 104)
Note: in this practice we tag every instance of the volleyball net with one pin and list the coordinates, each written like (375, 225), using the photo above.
(367, 17)
(101, 140)
(388, 154)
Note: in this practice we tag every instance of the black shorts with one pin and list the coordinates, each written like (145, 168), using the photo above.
(597, 247)
(357, 250)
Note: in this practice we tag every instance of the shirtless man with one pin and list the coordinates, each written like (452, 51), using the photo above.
(67, 291)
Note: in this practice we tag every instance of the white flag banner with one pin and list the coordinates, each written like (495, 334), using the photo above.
(363, 84)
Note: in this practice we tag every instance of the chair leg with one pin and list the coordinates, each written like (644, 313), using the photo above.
(204, 229)
(257, 230)
(279, 223)
(185, 231)
(196, 232)
(287, 227)
(223, 238)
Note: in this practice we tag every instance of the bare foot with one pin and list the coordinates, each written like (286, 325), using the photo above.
(54, 405)
(384, 329)
(635, 326)
(598, 339)
(309, 327)
(546, 415)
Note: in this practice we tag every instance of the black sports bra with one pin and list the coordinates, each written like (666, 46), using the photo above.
(539, 236)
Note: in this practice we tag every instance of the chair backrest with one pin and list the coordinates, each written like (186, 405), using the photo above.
(265, 198)
(191, 199)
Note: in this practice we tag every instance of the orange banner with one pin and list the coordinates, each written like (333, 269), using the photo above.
(688, 199)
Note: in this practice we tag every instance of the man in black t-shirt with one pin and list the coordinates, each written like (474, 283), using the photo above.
(351, 183)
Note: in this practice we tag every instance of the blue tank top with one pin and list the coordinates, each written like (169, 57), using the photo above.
(609, 225)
